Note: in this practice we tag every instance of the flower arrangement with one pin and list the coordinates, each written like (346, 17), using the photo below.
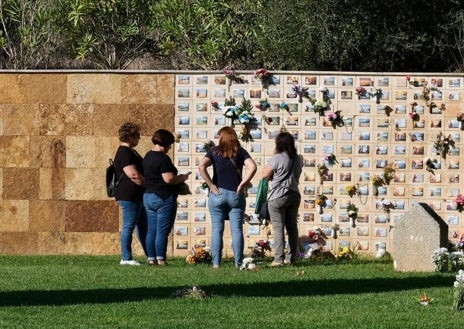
(440, 258)
(387, 205)
(388, 110)
(456, 261)
(430, 165)
(443, 144)
(320, 107)
(377, 181)
(388, 173)
(322, 171)
(301, 92)
(260, 249)
(199, 255)
(208, 144)
(459, 201)
(243, 114)
(316, 243)
(344, 253)
(424, 300)
(352, 190)
(266, 78)
(263, 105)
(360, 91)
(460, 117)
(336, 119)
(232, 76)
(331, 159)
(460, 243)
(414, 116)
(321, 202)
(352, 210)
(248, 264)
(458, 303)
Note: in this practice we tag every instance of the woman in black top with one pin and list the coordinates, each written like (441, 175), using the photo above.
(160, 198)
(129, 192)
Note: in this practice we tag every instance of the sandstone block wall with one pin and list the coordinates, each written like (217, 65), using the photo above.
(57, 132)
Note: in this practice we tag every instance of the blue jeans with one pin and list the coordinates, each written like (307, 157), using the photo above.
(229, 205)
(160, 215)
(133, 216)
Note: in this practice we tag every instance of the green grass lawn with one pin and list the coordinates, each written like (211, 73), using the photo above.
(97, 292)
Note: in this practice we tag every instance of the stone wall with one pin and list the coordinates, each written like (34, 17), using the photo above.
(57, 132)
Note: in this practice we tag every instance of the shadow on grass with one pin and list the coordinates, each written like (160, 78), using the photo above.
(298, 288)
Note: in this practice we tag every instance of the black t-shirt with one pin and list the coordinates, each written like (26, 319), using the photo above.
(127, 190)
(225, 174)
(155, 164)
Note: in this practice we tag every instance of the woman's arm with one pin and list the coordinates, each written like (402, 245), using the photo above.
(205, 162)
(134, 175)
(267, 172)
(173, 179)
(250, 166)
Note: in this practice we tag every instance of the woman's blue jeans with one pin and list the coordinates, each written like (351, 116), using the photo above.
(229, 205)
(160, 216)
(133, 216)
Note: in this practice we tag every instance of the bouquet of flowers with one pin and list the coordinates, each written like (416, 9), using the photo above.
(331, 159)
(344, 253)
(456, 261)
(352, 210)
(263, 105)
(460, 243)
(243, 114)
(360, 91)
(388, 173)
(335, 228)
(377, 181)
(414, 116)
(248, 264)
(301, 92)
(425, 300)
(443, 144)
(440, 258)
(198, 256)
(260, 248)
(336, 119)
(459, 201)
(458, 303)
(387, 206)
(320, 107)
(265, 77)
(352, 190)
(232, 76)
(284, 107)
(321, 202)
(460, 117)
(194, 292)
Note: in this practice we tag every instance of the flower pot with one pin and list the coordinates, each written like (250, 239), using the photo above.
(320, 209)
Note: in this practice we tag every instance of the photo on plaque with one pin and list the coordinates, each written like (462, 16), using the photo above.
(453, 164)
(381, 150)
(400, 109)
(401, 95)
(183, 79)
(346, 149)
(364, 108)
(419, 124)
(363, 149)
(400, 123)
(452, 220)
(454, 83)
(346, 94)
(345, 162)
(183, 107)
(382, 136)
(383, 82)
(399, 178)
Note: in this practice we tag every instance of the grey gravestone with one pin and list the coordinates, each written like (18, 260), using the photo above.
(415, 237)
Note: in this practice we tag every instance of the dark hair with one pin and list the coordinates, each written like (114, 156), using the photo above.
(285, 143)
(163, 137)
(127, 130)
(228, 142)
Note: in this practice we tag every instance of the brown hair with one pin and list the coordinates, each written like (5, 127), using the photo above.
(127, 130)
(163, 137)
(228, 142)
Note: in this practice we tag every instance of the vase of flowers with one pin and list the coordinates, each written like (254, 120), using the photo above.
(232, 76)
(352, 210)
(377, 181)
(301, 92)
(199, 255)
(377, 93)
(430, 165)
(425, 300)
(414, 116)
(388, 173)
(335, 228)
(263, 105)
(360, 91)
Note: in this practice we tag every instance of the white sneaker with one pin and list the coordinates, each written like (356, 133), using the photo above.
(129, 262)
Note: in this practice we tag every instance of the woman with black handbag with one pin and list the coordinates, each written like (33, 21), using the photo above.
(283, 171)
